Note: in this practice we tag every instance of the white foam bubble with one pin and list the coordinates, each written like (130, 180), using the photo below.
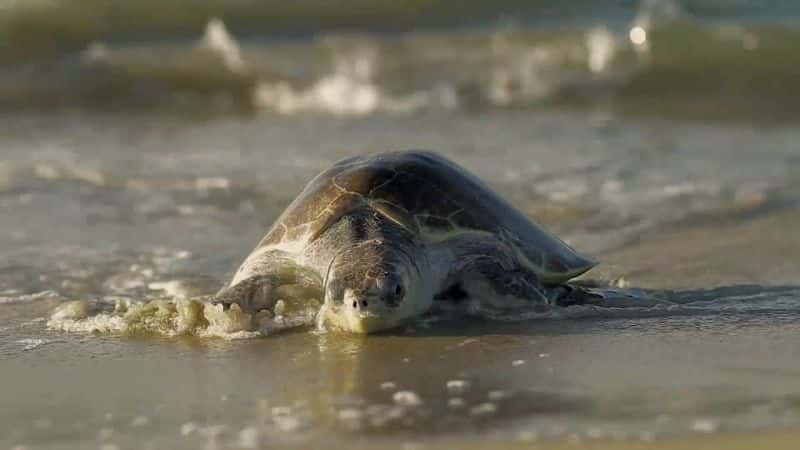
(601, 47)
(351, 418)
(96, 51)
(212, 183)
(28, 297)
(218, 40)
(172, 288)
(705, 425)
(288, 423)
(497, 395)
(483, 409)
(188, 428)
(407, 398)
(32, 344)
(249, 437)
(140, 421)
(457, 386)
(456, 402)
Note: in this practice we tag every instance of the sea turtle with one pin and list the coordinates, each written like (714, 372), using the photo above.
(382, 237)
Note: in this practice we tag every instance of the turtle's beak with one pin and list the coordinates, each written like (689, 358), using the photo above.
(364, 323)
(363, 314)
(345, 319)
(356, 314)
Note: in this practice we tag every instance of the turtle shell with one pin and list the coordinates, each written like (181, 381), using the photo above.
(429, 195)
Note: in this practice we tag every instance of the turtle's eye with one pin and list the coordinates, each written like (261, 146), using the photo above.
(392, 290)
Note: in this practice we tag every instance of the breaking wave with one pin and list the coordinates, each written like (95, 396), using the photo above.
(663, 61)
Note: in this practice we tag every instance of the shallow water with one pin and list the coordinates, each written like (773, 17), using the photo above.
(102, 212)
(639, 378)
(138, 165)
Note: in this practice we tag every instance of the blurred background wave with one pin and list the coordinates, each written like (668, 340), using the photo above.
(701, 59)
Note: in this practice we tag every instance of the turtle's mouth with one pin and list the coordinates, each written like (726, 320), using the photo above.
(341, 319)
(368, 316)
(366, 322)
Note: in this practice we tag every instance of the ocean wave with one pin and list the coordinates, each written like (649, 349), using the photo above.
(663, 62)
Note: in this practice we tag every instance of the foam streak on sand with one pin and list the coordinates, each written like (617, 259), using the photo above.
(175, 318)
(182, 317)
(27, 298)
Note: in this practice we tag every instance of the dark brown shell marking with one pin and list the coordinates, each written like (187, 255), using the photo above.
(437, 193)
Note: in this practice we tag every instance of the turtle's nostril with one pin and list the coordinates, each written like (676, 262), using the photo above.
(360, 304)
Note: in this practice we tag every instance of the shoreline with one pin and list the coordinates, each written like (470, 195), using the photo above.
(709, 255)
(779, 439)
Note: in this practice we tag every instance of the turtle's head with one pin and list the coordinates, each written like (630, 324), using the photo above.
(375, 285)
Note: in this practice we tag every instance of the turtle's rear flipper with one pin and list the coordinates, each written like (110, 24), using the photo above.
(568, 295)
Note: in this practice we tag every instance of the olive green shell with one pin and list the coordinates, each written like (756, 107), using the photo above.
(429, 195)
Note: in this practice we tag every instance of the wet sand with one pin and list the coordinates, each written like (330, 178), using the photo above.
(669, 383)
(759, 250)
(773, 440)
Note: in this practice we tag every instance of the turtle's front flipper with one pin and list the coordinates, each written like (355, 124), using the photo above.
(266, 277)
(251, 294)
(487, 260)
(494, 262)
